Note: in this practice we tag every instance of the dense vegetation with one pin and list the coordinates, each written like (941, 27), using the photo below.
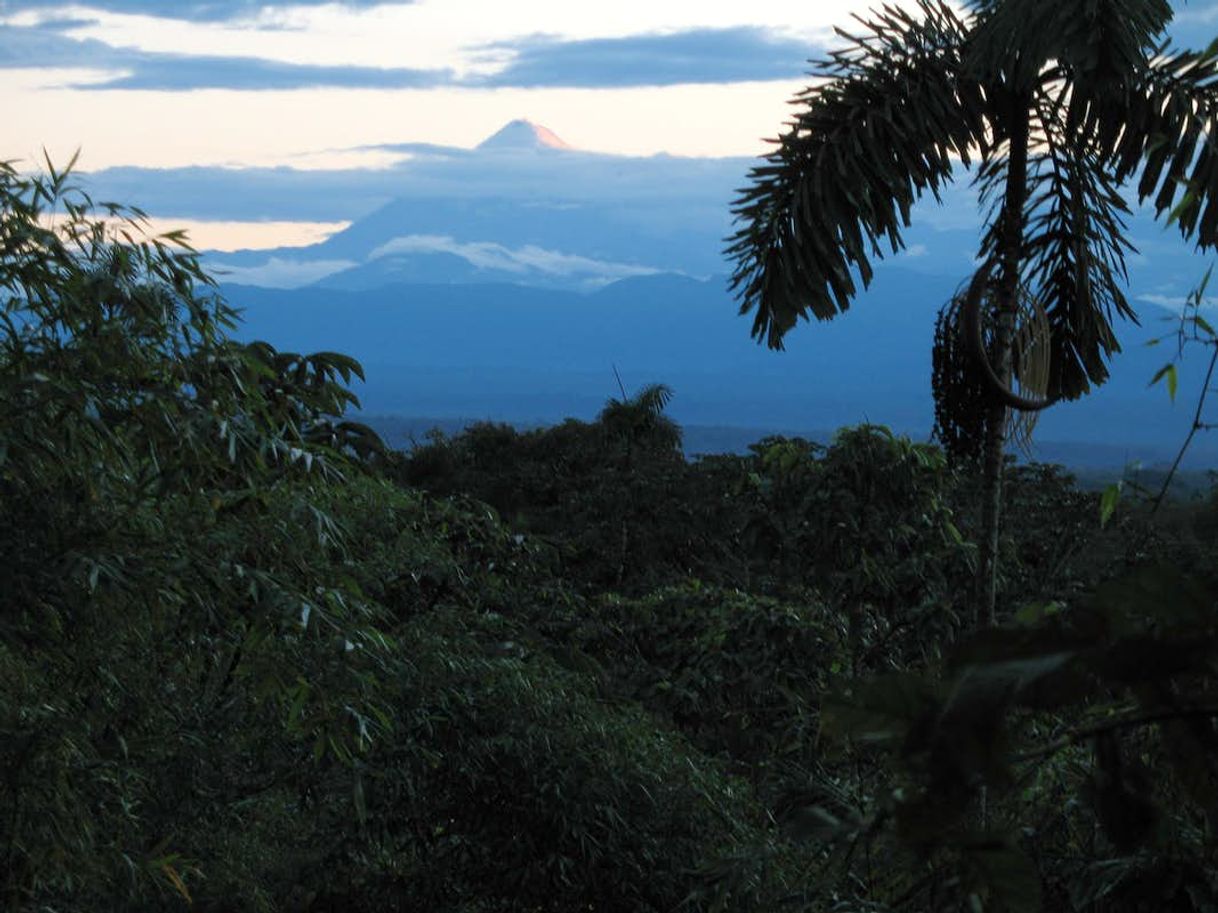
(250, 660)
(1058, 110)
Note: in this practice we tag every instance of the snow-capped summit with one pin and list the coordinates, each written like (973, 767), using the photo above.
(523, 134)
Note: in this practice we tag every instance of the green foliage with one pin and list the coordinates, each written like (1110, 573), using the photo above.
(240, 671)
(864, 522)
(614, 499)
(1091, 726)
(865, 525)
(739, 675)
(169, 648)
(509, 780)
(246, 663)
(1055, 546)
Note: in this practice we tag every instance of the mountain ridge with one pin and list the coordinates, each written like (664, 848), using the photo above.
(516, 353)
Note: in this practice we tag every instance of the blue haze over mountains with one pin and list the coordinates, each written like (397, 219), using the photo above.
(508, 281)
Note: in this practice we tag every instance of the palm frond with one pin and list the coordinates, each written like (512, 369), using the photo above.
(650, 402)
(1074, 251)
(1167, 127)
(1100, 45)
(883, 128)
(653, 399)
(641, 417)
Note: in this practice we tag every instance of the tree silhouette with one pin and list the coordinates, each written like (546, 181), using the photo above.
(1054, 105)
(639, 421)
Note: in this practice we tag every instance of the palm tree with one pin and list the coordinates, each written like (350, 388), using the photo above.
(1054, 105)
(639, 421)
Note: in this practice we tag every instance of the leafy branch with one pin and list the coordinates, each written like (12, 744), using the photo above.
(1119, 723)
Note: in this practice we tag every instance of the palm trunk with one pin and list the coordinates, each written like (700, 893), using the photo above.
(1011, 243)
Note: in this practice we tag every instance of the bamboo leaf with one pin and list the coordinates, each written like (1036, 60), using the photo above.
(1169, 372)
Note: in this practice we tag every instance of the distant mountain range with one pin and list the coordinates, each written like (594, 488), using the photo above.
(508, 281)
(508, 352)
(565, 234)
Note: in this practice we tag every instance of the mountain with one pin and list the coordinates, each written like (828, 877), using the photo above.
(522, 134)
(510, 280)
(510, 352)
(577, 245)
(579, 221)
(525, 165)
(560, 218)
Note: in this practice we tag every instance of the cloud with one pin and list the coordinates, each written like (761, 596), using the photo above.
(674, 192)
(190, 10)
(519, 260)
(1197, 14)
(530, 262)
(178, 72)
(279, 272)
(1193, 26)
(234, 235)
(742, 54)
(1176, 302)
(46, 45)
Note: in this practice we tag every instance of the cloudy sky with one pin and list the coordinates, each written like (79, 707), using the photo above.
(300, 83)
(235, 82)
(314, 85)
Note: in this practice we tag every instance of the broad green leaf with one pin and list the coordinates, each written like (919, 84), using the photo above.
(1109, 500)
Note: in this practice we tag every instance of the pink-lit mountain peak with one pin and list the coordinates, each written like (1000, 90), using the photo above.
(524, 134)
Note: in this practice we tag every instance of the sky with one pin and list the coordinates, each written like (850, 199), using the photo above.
(261, 82)
(266, 126)
(176, 82)
(327, 86)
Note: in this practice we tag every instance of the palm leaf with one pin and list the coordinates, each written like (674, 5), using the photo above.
(641, 417)
(1166, 127)
(885, 127)
(1099, 44)
(1074, 251)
